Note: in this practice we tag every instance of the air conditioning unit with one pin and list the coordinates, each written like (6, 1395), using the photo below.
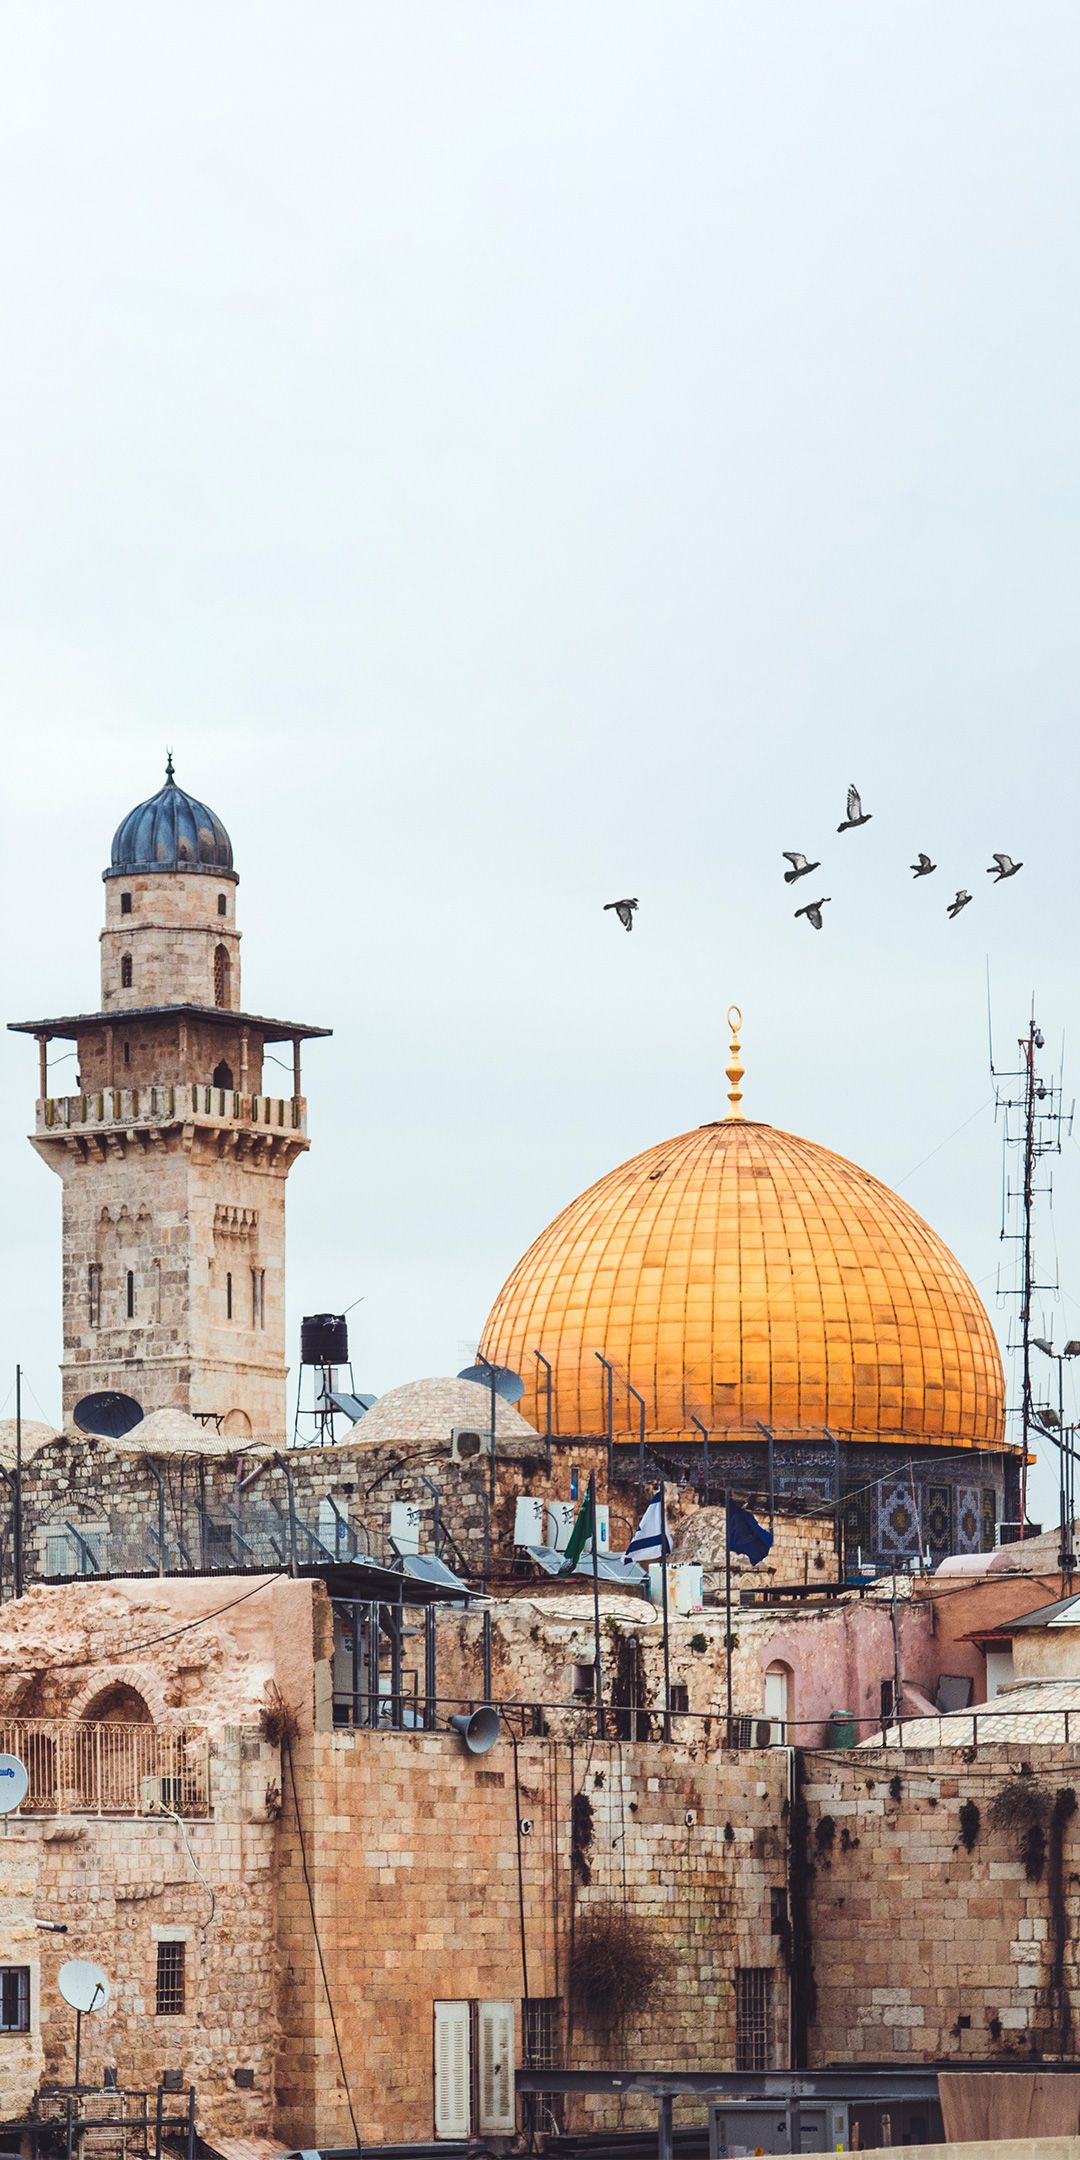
(528, 1520)
(561, 1515)
(467, 1442)
(768, 1732)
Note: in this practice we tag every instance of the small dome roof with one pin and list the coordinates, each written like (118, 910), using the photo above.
(170, 832)
(423, 1413)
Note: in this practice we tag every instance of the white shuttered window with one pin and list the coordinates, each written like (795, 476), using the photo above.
(495, 2058)
(453, 2069)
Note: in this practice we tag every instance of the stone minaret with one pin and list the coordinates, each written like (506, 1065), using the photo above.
(173, 1160)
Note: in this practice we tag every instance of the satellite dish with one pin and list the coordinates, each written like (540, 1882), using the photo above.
(509, 1385)
(14, 1783)
(83, 1985)
(107, 1416)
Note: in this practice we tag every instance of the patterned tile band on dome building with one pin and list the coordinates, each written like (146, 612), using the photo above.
(738, 1274)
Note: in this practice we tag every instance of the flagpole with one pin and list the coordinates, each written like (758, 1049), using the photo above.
(664, 1604)
(598, 1683)
(727, 1606)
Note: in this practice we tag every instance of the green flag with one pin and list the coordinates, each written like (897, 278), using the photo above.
(580, 1535)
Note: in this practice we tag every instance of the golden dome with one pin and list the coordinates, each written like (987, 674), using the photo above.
(738, 1273)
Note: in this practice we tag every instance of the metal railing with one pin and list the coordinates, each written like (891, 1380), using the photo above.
(107, 1769)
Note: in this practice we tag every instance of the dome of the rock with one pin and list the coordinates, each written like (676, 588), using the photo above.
(738, 1274)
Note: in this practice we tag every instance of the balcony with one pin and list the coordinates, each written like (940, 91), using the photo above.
(177, 1102)
(109, 1769)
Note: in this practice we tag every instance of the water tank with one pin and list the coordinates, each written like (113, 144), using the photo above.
(841, 1732)
(324, 1339)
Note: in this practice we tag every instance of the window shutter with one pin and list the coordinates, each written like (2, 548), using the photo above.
(452, 2070)
(495, 2037)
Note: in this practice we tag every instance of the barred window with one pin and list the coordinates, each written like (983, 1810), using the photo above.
(126, 971)
(14, 1998)
(543, 2024)
(753, 2017)
(170, 1979)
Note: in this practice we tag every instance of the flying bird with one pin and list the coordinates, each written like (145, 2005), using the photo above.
(1006, 867)
(624, 909)
(856, 815)
(813, 910)
(955, 906)
(799, 866)
(923, 867)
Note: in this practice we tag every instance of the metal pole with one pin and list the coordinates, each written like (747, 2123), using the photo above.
(487, 1654)
(78, 2049)
(1025, 1299)
(727, 1611)
(664, 1609)
(665, 2131)
(640, 1401)
(598, 1678)
(17, 1510)
(546, 1363)
(601, 1360)
(770, 1470)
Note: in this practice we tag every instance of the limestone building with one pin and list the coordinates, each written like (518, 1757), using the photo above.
(173, 1158)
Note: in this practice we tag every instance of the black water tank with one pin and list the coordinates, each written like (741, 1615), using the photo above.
(324, 1339)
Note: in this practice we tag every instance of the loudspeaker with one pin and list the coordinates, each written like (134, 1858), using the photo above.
(479, 1730)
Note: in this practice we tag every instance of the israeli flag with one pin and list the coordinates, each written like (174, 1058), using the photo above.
(651, 1540)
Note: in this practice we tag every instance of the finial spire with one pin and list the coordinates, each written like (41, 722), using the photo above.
(735, 1069)
(168, 765)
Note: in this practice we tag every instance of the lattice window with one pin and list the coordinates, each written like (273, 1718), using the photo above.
(170, 1979)
(753, 2017)
(14, 1998)
(221, 976)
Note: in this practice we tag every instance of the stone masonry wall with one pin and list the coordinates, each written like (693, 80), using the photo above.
(413, 1848)
(921, 1947)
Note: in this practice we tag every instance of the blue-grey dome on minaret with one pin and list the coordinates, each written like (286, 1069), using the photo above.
(170, 832)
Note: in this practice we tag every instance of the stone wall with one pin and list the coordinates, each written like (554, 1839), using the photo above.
(413, 1849)
(923, 1948)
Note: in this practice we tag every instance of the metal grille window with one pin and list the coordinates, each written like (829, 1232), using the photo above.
(753, 2017)
(14, 1998)
(170, 1979)
(543, 2023)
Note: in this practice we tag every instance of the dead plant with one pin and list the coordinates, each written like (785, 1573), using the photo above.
(618, 1962)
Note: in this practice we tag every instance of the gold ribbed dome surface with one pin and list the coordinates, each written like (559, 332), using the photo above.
(738, 1273)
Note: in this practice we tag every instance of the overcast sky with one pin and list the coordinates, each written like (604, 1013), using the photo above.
(518, 455)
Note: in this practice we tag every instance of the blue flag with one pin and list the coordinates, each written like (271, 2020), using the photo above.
(746, 1535)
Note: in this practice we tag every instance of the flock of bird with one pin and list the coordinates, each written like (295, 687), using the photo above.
(1002, 866)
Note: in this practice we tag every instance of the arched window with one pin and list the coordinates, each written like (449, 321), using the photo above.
(223, 1077)
(126, 972)
(117, 1705)
(222, 970)
(130, 1295)
(222, 904)
(228, 1297)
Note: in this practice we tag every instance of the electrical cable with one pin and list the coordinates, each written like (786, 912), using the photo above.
(318, 1943)
(208, 1887)
(126, 1650)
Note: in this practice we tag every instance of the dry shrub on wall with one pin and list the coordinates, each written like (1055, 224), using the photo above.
(1022, 1809)
(278, 1721)
(618, 1963)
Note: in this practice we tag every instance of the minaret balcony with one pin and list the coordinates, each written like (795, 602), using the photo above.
(179, 1102)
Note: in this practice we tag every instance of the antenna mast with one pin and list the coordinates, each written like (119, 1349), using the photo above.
(1032, 1122)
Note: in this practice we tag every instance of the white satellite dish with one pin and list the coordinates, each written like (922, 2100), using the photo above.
(83, 1985)
(14, 1783)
